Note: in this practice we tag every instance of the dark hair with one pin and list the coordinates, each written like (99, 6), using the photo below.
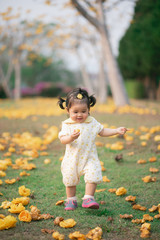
(77, 95)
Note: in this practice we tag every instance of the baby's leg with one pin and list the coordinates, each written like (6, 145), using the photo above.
(71, 191)
(90, 189)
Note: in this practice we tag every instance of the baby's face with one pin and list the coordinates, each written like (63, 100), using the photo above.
(79, 112)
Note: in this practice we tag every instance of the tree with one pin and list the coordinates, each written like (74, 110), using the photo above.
(114, 75)
(40, 68)
(140, 47)
(18, 39)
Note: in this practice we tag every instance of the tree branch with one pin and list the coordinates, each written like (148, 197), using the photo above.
(85, 14)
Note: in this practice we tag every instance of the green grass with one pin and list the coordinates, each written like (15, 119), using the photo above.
(47, 188)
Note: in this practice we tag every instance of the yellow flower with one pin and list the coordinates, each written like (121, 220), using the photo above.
(7, 222)
(101, 190)
(47, 161)
(143, 144)
(112, 190)
(141, 161)
(77, 235)
(60, 202)
(139, 207)
(69, 223)
(2, 174)
(10, 181)
(148, 179)
(35, 213)
(152, 159)
(25, 216)
(16, 208)
(79, 96)
(5, 204)
(23, 191)
(24, 174)
(95, 233)
(11, 150)
(58, 236)
(23, 200)
(105, 179)
(147, 217)
(130, 198)
(121, 191)
(61, 158)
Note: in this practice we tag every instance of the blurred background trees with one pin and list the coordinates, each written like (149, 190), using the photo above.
(34, 53)
(139, 52)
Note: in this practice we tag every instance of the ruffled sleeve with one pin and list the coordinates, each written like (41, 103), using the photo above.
(64, 131)
(98, 126)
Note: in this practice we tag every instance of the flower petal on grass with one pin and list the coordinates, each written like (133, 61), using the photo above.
(95, 233)
(101, 190)
(23, 191)
(69, 223)
(25, 216)
(45, 230)
(7, 222)
(121, 191)
(130, 198)
(139, 207)
(16, 208)
(60, 202)
(147, 217)
(77, 236)
(105, 179)
(58, 220)
(58, 236)
(148, 179)
(126, 216)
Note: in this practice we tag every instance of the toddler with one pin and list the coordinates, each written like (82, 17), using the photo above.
(78, 133)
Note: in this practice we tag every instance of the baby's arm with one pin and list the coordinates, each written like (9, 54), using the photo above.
(66, 139)
(106, 132)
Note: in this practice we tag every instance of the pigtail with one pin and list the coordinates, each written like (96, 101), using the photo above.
(61, 103)
(92, 101)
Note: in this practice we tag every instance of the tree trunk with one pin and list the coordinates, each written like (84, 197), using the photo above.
(17, 93)
(86, 79)
(158, 92)
(115, 79)
(102, 83)
(5, 79)
(114, 76)
(102, 89)
(150, 88)
(6, 89)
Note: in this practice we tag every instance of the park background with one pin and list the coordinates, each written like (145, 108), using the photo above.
(111, 48)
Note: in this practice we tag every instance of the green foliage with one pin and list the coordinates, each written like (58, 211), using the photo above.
(140, 47)
(40, 70)
(51, 92)
(135, 89)
(2, 93)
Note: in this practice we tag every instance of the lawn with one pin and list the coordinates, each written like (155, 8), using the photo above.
(27, 136)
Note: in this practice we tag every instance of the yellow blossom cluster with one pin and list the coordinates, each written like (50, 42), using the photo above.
(48, 107)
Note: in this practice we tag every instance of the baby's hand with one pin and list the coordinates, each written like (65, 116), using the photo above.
(75, 134)
(122, 130)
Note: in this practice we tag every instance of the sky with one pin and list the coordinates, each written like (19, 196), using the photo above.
(118, 20)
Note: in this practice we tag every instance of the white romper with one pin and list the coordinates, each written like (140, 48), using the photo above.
(81, 155)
